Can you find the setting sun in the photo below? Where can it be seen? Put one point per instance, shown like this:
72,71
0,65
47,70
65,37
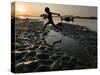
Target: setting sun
20,9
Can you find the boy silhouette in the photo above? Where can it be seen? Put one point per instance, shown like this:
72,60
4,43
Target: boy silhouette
49,16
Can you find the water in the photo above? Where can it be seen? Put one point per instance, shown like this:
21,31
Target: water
67,45
89,23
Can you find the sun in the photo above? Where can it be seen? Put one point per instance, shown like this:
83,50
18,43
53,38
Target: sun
20,9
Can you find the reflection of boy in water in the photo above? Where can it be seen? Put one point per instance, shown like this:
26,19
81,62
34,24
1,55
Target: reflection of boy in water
50,21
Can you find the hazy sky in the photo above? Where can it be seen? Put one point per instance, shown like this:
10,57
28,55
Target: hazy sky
35,9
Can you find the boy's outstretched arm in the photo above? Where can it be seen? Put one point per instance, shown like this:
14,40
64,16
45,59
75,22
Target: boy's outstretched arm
56,14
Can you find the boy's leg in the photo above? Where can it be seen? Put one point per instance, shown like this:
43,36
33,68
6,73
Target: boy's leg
45,25
53,24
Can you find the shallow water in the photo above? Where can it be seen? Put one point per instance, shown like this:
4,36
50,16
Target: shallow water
89,23
67,45
33,54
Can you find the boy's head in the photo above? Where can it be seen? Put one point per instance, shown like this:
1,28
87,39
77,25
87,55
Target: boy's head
47,10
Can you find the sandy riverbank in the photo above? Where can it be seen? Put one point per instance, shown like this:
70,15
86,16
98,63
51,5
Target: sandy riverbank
34,54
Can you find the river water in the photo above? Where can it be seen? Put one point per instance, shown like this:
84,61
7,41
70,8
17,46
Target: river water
89,23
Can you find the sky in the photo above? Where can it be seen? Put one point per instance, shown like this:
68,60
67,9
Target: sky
36,9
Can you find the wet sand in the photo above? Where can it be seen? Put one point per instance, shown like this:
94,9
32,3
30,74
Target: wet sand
68,47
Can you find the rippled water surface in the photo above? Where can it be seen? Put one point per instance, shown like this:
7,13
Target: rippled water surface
67,44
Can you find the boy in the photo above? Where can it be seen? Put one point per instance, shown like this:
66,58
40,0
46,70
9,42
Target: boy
50,21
